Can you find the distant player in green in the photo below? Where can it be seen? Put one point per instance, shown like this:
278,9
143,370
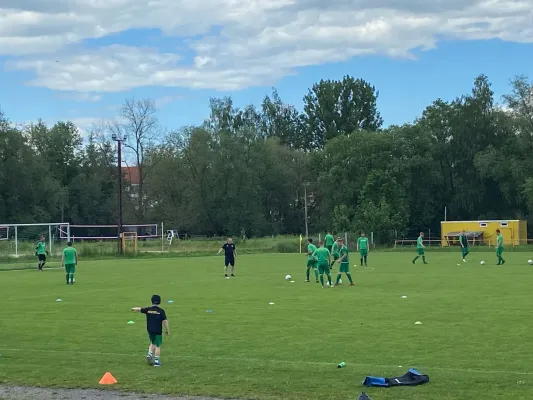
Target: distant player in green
41,252
463,241
499,247
323,257
311,262
344,262
69,260
362,248
156,318
335,252
420,248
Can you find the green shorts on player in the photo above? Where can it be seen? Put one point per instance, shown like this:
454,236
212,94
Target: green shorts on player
70,259
156,339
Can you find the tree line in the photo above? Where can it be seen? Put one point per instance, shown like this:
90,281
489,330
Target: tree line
247,170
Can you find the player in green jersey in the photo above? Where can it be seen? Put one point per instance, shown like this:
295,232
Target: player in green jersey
499,247
463,240
420,248
323,257
311,262
41,252
335,252
362,248
328,240
69,260
344,262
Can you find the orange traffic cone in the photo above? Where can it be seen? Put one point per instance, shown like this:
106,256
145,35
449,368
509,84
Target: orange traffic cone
107,379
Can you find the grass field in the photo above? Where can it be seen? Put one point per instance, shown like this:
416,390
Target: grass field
474,341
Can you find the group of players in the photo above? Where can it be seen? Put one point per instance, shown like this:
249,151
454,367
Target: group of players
69,259
330,251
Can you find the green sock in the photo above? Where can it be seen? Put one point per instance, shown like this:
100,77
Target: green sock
361,261
338,278
67,277
365,259
316,274
416,258
329,279
72,277
349,277
424,258
307,273
322,279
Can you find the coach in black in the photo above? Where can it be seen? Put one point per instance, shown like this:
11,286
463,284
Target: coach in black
230,254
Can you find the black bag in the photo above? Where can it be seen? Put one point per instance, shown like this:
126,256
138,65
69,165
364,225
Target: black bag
411,378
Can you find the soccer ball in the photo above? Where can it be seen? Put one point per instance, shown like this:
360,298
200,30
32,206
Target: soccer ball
288,277
482,262
530,262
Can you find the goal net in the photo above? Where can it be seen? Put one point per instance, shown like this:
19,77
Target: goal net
110,232
20,239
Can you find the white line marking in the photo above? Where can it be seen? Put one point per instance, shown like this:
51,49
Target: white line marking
259,361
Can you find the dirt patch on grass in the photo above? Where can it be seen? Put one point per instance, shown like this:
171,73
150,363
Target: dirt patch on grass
33,393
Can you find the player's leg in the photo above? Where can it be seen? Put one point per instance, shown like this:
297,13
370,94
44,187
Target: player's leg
40,264
328,274
226,264
365,257
321,273
151,349
346,270
361,257
67,272
158,342
72,272
310,264
232,263
44,261
417,256
423,256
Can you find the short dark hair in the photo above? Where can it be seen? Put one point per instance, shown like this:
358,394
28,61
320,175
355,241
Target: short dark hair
321,242
497,231
156,299
310,240
69,243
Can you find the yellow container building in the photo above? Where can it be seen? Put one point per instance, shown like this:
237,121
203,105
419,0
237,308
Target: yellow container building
484,232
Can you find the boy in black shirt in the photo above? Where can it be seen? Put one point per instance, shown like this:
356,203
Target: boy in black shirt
155,319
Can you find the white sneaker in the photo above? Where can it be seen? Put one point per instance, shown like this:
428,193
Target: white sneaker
464,260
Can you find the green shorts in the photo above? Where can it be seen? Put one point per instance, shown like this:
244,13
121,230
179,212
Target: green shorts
70,268
323,268
420,251
156,340
363,252
464,251
499,251
311,264
344,267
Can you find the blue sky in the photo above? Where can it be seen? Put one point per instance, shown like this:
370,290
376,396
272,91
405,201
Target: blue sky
81,64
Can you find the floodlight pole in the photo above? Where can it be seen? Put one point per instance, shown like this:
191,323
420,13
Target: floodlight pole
305,211
119,141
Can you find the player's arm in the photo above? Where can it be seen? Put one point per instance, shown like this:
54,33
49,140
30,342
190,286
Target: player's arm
358,240
165,324
139,309
63,259
234,252
220,251
76,257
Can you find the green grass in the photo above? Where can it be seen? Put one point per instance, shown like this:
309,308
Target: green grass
474,341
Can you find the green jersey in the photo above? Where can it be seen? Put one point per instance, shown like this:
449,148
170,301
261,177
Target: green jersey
311,248
499,241
70,255
362,243
335,249
329,239
322,255
344,252
464,240
420,242
41,248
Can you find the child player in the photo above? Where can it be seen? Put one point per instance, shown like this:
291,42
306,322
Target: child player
499,247
41,252
311,262
344,263
69,260
156,318
323,257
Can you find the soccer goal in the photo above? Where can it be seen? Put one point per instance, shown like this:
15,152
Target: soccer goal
20,239
129,242
110,232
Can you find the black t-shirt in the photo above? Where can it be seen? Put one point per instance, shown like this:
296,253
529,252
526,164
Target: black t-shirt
229,250
154,319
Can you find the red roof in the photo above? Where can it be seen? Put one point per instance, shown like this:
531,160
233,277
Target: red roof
131,174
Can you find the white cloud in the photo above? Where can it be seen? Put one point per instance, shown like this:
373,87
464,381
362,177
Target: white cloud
236,43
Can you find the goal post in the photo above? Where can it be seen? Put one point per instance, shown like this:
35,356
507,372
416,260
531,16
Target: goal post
129,237
19,239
